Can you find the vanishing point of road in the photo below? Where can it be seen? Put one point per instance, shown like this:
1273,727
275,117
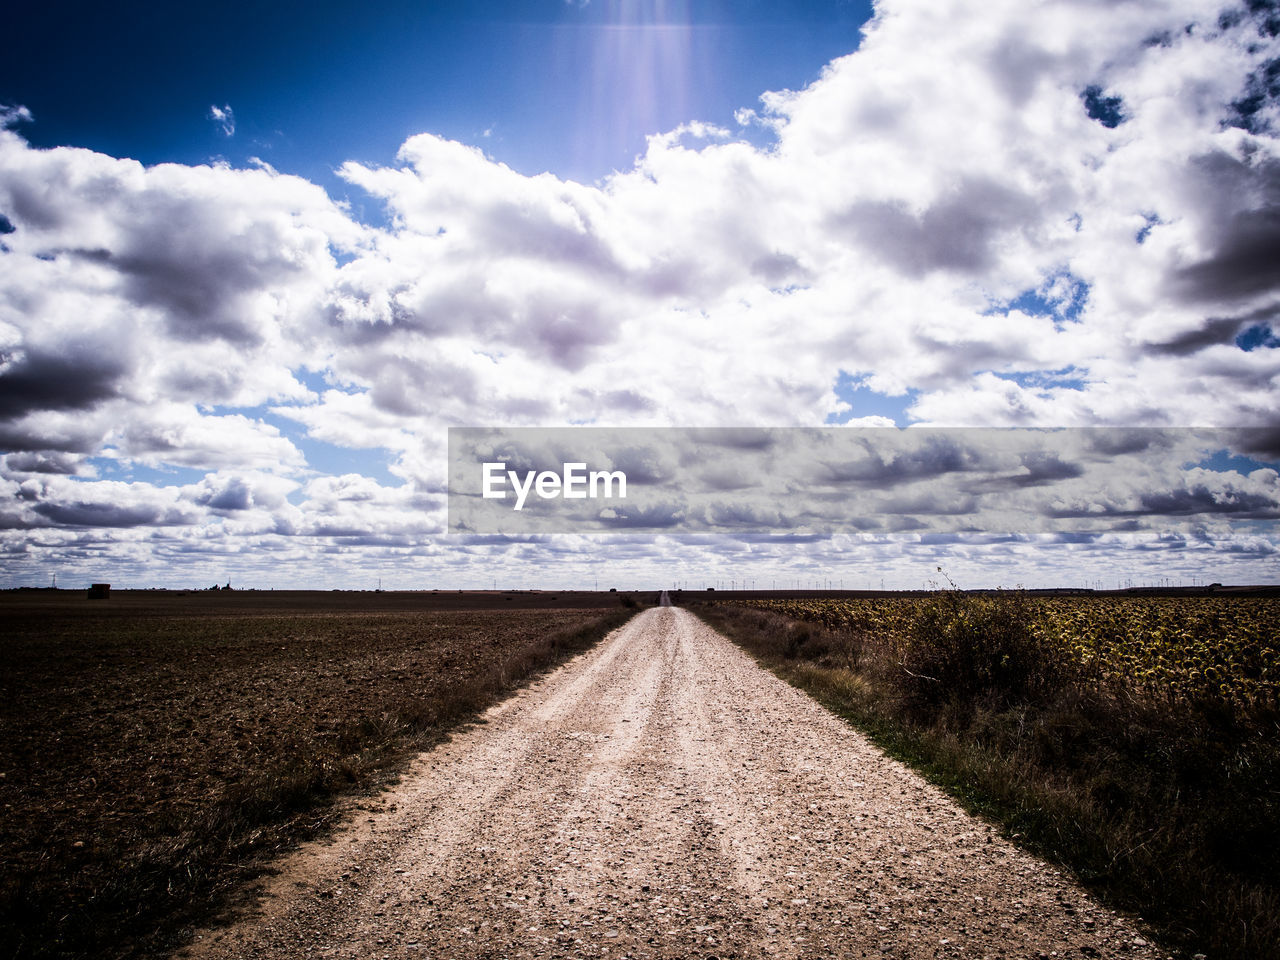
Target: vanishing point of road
663,796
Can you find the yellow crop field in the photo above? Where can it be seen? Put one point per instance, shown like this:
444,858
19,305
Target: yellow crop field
1176,648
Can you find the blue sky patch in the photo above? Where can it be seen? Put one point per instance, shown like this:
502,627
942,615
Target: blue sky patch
1259,335
868,403
1068,378
1108,111
1062,296
1225,460
133,471
326,458
321,457
594,79
1152,221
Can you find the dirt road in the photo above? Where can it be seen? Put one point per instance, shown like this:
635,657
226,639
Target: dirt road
662,796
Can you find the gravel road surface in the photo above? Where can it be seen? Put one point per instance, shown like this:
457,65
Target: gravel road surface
662,796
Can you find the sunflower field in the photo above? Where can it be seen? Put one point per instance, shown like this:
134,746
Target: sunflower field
1204,648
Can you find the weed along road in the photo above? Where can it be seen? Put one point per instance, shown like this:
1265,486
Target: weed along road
662,796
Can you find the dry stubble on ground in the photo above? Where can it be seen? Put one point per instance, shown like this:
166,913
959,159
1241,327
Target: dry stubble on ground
662,796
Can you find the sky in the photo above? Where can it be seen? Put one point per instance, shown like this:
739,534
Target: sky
255,263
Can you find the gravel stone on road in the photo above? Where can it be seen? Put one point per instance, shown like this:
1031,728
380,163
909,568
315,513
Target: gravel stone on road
663,796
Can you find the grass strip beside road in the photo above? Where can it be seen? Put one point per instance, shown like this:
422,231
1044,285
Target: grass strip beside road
154,756
1170,813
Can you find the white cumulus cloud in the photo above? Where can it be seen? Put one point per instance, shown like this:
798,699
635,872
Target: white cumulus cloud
224,118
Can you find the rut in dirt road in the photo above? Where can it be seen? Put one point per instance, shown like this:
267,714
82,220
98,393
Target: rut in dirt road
662,796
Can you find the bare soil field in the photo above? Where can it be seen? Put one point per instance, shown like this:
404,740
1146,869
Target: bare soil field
155,745
661,796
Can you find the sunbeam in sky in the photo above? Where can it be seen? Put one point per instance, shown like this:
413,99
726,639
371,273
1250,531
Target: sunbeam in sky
641,74
256,261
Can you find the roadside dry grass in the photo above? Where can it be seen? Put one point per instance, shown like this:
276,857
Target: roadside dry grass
156,749
1168,809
